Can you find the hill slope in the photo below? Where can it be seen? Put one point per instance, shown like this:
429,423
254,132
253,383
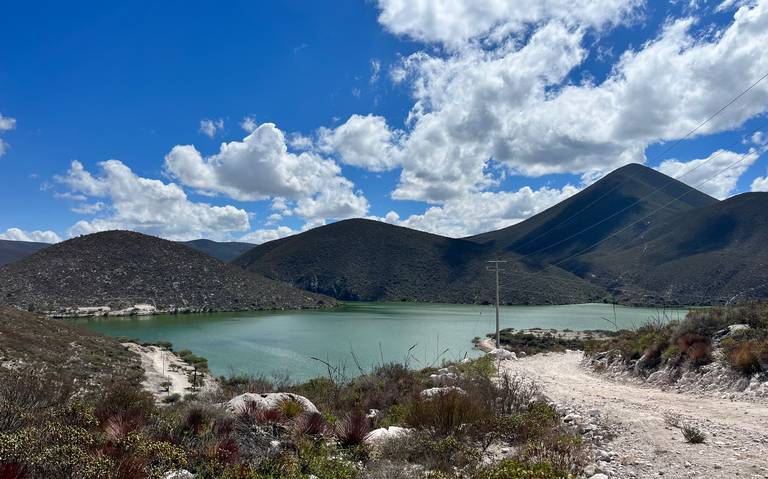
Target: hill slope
11,251
120,268
59,351
609,204
703,256
225,251
370,260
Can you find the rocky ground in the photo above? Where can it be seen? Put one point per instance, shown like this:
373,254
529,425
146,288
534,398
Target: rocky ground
637,430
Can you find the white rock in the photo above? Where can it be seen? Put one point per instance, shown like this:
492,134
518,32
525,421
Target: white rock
179,474
432,392
382,434
442,378
599,476
571,417
502,353
267,401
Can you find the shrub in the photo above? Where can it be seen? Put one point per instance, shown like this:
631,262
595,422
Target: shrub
442,454
290,408
693,435
310,423
563,451
127,400
513,469
696,347
237,384
24,395
352,429
744,357
172,398
445,413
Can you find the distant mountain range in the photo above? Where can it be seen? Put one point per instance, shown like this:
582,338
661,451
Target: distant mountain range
11,251
635,236
120,269
225,251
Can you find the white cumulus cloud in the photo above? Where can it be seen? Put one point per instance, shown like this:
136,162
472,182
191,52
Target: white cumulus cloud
362,141
148,205
17,234
484,211
716,175
454,22
261,167
513,103
264,235
760,183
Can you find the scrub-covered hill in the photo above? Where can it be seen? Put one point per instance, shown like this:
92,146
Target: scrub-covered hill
120,269
374,261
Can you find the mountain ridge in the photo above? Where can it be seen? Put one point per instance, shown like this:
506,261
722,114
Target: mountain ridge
361,259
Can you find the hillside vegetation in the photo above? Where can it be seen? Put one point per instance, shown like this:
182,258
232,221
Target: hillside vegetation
374,261
57,354
120,269
734,337
456,432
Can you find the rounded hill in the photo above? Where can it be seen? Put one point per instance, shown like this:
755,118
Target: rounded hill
120,269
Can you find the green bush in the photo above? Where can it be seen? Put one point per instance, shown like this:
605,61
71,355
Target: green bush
126,400
445,413
442,454
512,469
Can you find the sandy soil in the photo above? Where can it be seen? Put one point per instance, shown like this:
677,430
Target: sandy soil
163,366
737,432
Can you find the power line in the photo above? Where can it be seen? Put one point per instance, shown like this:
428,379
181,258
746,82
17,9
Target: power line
639,200
742,158
657,157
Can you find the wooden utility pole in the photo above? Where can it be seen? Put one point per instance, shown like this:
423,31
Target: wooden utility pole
496,268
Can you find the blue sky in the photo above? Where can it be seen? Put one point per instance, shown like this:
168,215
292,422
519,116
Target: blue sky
450,117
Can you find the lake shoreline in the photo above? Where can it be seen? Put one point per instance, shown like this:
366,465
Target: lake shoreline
283,342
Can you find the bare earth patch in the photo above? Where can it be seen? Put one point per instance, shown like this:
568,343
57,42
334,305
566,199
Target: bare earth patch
646,444
165,373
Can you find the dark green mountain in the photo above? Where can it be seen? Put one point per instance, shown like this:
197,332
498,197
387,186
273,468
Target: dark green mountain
608,206
121,268
709,255
11,251
370,260
225,251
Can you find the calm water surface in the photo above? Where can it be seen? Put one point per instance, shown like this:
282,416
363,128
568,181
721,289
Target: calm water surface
284,342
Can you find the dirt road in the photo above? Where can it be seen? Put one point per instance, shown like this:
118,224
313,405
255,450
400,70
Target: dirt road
737,432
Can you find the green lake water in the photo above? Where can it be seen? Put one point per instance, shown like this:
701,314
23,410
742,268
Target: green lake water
283,342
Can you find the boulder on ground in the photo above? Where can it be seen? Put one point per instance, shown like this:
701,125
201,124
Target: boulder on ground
444,376
379,436
434,392
179,474
267,401
730,331
502,353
